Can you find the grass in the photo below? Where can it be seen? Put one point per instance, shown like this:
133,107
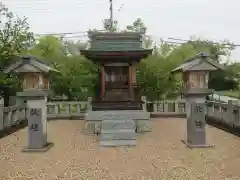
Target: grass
230,93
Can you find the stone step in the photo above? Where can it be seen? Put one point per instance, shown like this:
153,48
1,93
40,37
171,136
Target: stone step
116,125
116,105
110,131
118,136
117,115
114,143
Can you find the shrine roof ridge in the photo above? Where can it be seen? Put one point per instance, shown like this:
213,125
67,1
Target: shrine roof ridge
199,55
36,59
115,51
115,35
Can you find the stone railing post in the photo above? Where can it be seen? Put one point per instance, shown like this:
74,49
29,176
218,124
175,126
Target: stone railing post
155,106
1,113
210,108
176,106
144,105
165,106
230,116
237,120
89,104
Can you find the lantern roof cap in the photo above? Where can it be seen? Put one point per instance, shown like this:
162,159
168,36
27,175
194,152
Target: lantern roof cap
200,62
28,63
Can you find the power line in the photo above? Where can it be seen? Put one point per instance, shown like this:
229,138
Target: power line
175,40
67,33
184,40
64,33
75,36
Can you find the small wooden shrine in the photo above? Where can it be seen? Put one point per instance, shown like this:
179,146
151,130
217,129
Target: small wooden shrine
33,72
117,55
195,74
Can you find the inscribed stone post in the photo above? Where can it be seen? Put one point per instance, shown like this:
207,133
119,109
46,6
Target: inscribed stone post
37,125
196,136
1,113
37,138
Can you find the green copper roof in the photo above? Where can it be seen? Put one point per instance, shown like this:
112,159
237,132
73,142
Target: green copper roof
121,41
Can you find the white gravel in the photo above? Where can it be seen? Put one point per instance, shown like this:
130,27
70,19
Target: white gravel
159,155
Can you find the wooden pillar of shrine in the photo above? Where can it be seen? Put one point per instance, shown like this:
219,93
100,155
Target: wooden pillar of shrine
130,81
102,81
134,80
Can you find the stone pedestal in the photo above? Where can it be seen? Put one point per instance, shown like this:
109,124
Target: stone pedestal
196,111
37,121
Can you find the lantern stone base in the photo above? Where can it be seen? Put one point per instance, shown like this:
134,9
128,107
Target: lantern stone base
196,113
197,92
37,120
189,145
48,146
35,93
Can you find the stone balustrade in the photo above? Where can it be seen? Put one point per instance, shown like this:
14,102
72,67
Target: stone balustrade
12,115
225,113
66,109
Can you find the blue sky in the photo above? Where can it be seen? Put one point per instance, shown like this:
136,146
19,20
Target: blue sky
213,19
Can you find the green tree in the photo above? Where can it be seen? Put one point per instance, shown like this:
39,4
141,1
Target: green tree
72,48
110,27
15,38
139,26
77,74
155,79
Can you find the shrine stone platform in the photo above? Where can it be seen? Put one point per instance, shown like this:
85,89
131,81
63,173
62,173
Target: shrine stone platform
95,119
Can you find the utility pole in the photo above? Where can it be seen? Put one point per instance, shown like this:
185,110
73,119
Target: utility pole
111,15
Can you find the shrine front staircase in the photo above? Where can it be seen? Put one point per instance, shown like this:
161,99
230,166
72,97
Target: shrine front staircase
118,133
117,128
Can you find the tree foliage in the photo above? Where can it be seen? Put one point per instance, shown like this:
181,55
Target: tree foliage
139,26
15,38
77,73
79,77
110,26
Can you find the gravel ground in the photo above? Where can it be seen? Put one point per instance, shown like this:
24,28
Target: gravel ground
159,155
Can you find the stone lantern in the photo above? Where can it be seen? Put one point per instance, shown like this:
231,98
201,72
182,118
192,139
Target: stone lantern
35,89
195,74
33,72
